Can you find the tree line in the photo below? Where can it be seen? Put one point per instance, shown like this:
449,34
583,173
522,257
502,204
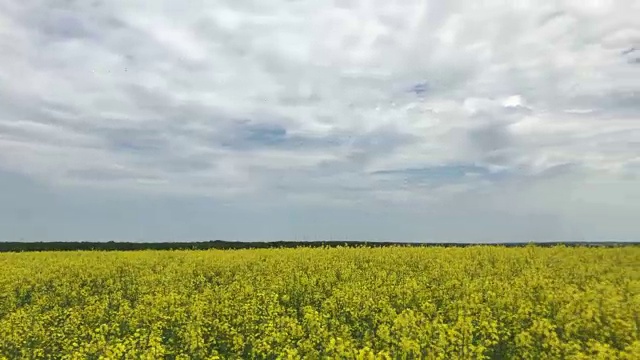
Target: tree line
231,245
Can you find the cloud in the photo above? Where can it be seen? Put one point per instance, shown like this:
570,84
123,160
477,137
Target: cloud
341,103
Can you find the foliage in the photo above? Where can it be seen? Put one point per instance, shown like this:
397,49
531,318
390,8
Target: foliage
225,245
484,302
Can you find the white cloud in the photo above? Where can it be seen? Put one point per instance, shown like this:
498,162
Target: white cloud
308,100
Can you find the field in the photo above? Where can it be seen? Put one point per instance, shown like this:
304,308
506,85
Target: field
394,302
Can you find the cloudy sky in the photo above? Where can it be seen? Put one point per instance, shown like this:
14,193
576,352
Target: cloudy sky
407,120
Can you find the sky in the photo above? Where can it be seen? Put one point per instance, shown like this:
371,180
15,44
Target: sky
394,120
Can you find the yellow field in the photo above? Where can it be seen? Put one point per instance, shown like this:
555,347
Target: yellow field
398,302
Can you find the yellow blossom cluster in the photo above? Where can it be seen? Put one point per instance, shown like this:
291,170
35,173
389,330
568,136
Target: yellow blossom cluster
481,302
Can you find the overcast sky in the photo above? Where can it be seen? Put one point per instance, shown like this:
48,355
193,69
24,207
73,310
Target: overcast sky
401,120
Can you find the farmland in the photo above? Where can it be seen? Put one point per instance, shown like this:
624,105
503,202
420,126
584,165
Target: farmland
482,302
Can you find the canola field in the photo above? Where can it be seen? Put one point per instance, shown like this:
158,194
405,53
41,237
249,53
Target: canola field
484,302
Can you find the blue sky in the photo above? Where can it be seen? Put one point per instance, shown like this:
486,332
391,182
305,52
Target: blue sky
407,120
